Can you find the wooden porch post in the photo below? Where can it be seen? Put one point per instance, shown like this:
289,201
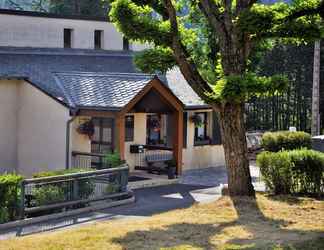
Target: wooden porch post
178,140
120,121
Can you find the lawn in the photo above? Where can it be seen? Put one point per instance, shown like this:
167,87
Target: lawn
267,223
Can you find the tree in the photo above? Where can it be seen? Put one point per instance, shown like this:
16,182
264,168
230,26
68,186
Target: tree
212,42
316,89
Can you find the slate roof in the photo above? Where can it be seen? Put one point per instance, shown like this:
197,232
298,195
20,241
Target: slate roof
101,90
88,78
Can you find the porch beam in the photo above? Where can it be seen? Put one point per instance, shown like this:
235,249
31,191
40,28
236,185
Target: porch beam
178,140
120,122
97,113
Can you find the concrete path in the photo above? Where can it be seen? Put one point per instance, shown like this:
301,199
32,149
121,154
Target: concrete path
195,186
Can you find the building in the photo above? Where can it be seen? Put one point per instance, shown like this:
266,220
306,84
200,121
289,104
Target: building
70,93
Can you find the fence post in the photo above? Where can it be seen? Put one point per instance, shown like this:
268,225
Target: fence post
22,200
124,179
75,189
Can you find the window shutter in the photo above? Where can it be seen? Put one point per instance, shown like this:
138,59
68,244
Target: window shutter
185,121
216,139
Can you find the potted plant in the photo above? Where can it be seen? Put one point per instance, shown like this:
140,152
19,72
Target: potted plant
86,128
197,120
172,168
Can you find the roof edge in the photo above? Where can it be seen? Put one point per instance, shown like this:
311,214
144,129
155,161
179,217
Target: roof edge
52,15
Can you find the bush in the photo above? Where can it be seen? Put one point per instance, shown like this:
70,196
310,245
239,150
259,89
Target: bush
112,160
295,171
285,140
61,191
49,194
9,197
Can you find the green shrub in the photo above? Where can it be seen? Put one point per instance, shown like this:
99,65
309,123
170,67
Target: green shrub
112,160
61,191
9,196
61,172
112,188
295,171
285,140
49,194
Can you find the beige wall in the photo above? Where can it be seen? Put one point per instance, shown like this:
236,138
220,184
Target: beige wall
197,157
79,142
26,31
139,138
41,131
32,129
8,125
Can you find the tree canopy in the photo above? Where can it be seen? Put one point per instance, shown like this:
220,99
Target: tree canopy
195,33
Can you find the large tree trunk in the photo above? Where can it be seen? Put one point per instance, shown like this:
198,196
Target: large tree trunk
316,88
235,148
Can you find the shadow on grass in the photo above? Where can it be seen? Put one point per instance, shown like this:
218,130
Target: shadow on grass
256,232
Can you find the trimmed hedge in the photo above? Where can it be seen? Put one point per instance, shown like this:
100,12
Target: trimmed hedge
9,197
285,140
291,172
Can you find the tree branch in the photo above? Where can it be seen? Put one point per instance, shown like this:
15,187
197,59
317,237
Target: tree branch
187,68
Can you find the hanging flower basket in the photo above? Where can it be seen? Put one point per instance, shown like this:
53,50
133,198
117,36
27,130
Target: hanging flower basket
86,128
196,119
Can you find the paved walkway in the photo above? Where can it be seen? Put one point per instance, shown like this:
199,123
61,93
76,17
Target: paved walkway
195,186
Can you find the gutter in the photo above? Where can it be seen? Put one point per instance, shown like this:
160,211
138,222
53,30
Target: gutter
73,114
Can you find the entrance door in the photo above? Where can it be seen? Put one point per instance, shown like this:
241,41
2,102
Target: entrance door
102,141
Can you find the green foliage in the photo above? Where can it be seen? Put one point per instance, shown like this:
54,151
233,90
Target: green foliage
285,140
112,160
158,60
136,22
49,194
147,21
237,87
9,196
112,188
57,192
61,172
292,172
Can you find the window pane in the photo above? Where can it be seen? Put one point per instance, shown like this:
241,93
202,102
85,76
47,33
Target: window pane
67,38
97,39
129,128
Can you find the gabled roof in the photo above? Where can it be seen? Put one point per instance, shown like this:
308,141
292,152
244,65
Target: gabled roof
101,90
78,77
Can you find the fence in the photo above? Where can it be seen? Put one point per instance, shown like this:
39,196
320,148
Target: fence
152,153
57,193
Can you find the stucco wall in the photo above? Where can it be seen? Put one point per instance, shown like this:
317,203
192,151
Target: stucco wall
197,157
79,142
139,138
8,125
41,131
27,31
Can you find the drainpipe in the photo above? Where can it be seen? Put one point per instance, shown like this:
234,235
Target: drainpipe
73,114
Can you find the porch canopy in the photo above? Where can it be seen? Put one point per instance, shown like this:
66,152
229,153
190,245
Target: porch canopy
116,94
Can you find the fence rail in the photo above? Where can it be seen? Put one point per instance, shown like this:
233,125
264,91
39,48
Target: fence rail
53,194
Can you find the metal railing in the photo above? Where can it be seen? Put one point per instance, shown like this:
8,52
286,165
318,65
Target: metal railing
58,193
153,152
88,160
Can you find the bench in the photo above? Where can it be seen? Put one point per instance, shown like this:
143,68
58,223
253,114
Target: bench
154,158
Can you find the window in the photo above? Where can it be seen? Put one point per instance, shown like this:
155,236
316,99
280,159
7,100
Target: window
153,125
129,128
98,39
201,137
68,38
125,43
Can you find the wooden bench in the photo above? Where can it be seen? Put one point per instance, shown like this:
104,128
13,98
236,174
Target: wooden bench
154,158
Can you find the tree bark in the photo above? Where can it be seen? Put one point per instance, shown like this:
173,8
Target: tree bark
316,86
231,119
